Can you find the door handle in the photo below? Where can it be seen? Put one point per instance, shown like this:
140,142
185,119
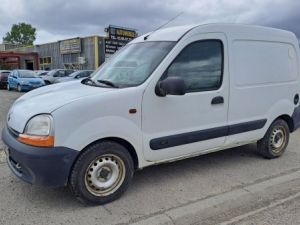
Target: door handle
217,100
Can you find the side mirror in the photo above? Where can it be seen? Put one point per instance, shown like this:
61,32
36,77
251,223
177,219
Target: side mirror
170,86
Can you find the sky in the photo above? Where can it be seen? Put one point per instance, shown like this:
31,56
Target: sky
61,19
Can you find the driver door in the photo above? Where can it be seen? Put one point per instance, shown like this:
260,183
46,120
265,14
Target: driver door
179,126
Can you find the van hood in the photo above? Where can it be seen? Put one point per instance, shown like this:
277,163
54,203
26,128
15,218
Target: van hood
64,79
46,100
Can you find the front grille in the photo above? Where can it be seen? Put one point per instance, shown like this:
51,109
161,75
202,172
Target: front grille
34,82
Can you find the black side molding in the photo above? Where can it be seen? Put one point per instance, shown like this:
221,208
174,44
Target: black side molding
246,127
203,135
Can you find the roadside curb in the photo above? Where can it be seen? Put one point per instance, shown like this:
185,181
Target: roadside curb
224,207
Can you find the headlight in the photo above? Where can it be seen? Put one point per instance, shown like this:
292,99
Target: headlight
38,131
39,125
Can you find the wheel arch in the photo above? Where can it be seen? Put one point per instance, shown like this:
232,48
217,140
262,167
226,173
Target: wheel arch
288,120
120,141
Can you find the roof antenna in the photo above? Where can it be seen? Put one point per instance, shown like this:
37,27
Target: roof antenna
179,14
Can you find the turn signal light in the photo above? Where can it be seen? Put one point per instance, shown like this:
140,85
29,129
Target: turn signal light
40,141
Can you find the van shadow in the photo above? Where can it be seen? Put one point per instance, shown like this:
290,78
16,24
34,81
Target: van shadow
218,161
61,198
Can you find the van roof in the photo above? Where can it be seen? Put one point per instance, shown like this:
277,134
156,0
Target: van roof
177,32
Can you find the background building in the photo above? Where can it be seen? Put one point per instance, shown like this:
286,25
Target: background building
75,53
16,60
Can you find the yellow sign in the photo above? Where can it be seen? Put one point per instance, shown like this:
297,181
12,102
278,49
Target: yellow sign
70,46
125,33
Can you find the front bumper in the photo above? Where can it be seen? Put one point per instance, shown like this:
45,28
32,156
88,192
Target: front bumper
38,165
30,87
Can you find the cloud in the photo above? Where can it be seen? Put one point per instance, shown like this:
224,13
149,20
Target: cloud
59,19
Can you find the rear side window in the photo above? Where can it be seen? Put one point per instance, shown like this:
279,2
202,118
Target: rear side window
200,64
83,74
60,73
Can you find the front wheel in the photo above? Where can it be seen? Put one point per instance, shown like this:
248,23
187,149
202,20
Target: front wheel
275,141
102,173
19,88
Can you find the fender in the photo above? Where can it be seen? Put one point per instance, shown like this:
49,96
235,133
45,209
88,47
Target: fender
100,128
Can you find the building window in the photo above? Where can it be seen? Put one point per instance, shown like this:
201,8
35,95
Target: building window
45,60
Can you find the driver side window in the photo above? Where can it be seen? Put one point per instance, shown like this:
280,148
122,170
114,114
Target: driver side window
200,65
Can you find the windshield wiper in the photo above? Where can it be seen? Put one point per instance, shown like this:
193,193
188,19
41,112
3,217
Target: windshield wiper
86,80
109,83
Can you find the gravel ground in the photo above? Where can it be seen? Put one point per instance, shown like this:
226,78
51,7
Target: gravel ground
6,100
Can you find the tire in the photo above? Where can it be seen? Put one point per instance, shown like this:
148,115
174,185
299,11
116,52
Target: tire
275,140
47,82
102,173
19,88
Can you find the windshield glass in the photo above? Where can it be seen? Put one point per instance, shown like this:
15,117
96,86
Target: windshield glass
133,64
43,73
51,72
27,74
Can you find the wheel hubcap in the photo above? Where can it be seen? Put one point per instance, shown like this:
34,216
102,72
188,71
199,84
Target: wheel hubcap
278,139
105,175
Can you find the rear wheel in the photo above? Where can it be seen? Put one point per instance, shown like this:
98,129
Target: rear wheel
275,141
102,173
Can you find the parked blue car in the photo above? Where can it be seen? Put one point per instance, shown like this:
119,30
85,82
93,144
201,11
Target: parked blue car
24,80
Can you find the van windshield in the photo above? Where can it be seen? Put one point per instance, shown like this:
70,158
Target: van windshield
132,65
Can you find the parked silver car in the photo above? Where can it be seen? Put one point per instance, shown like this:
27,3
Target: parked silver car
53,75
76,75
41,73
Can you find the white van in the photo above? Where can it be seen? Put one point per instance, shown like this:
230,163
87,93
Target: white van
170,94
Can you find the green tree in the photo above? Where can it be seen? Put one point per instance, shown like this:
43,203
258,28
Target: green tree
22,34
